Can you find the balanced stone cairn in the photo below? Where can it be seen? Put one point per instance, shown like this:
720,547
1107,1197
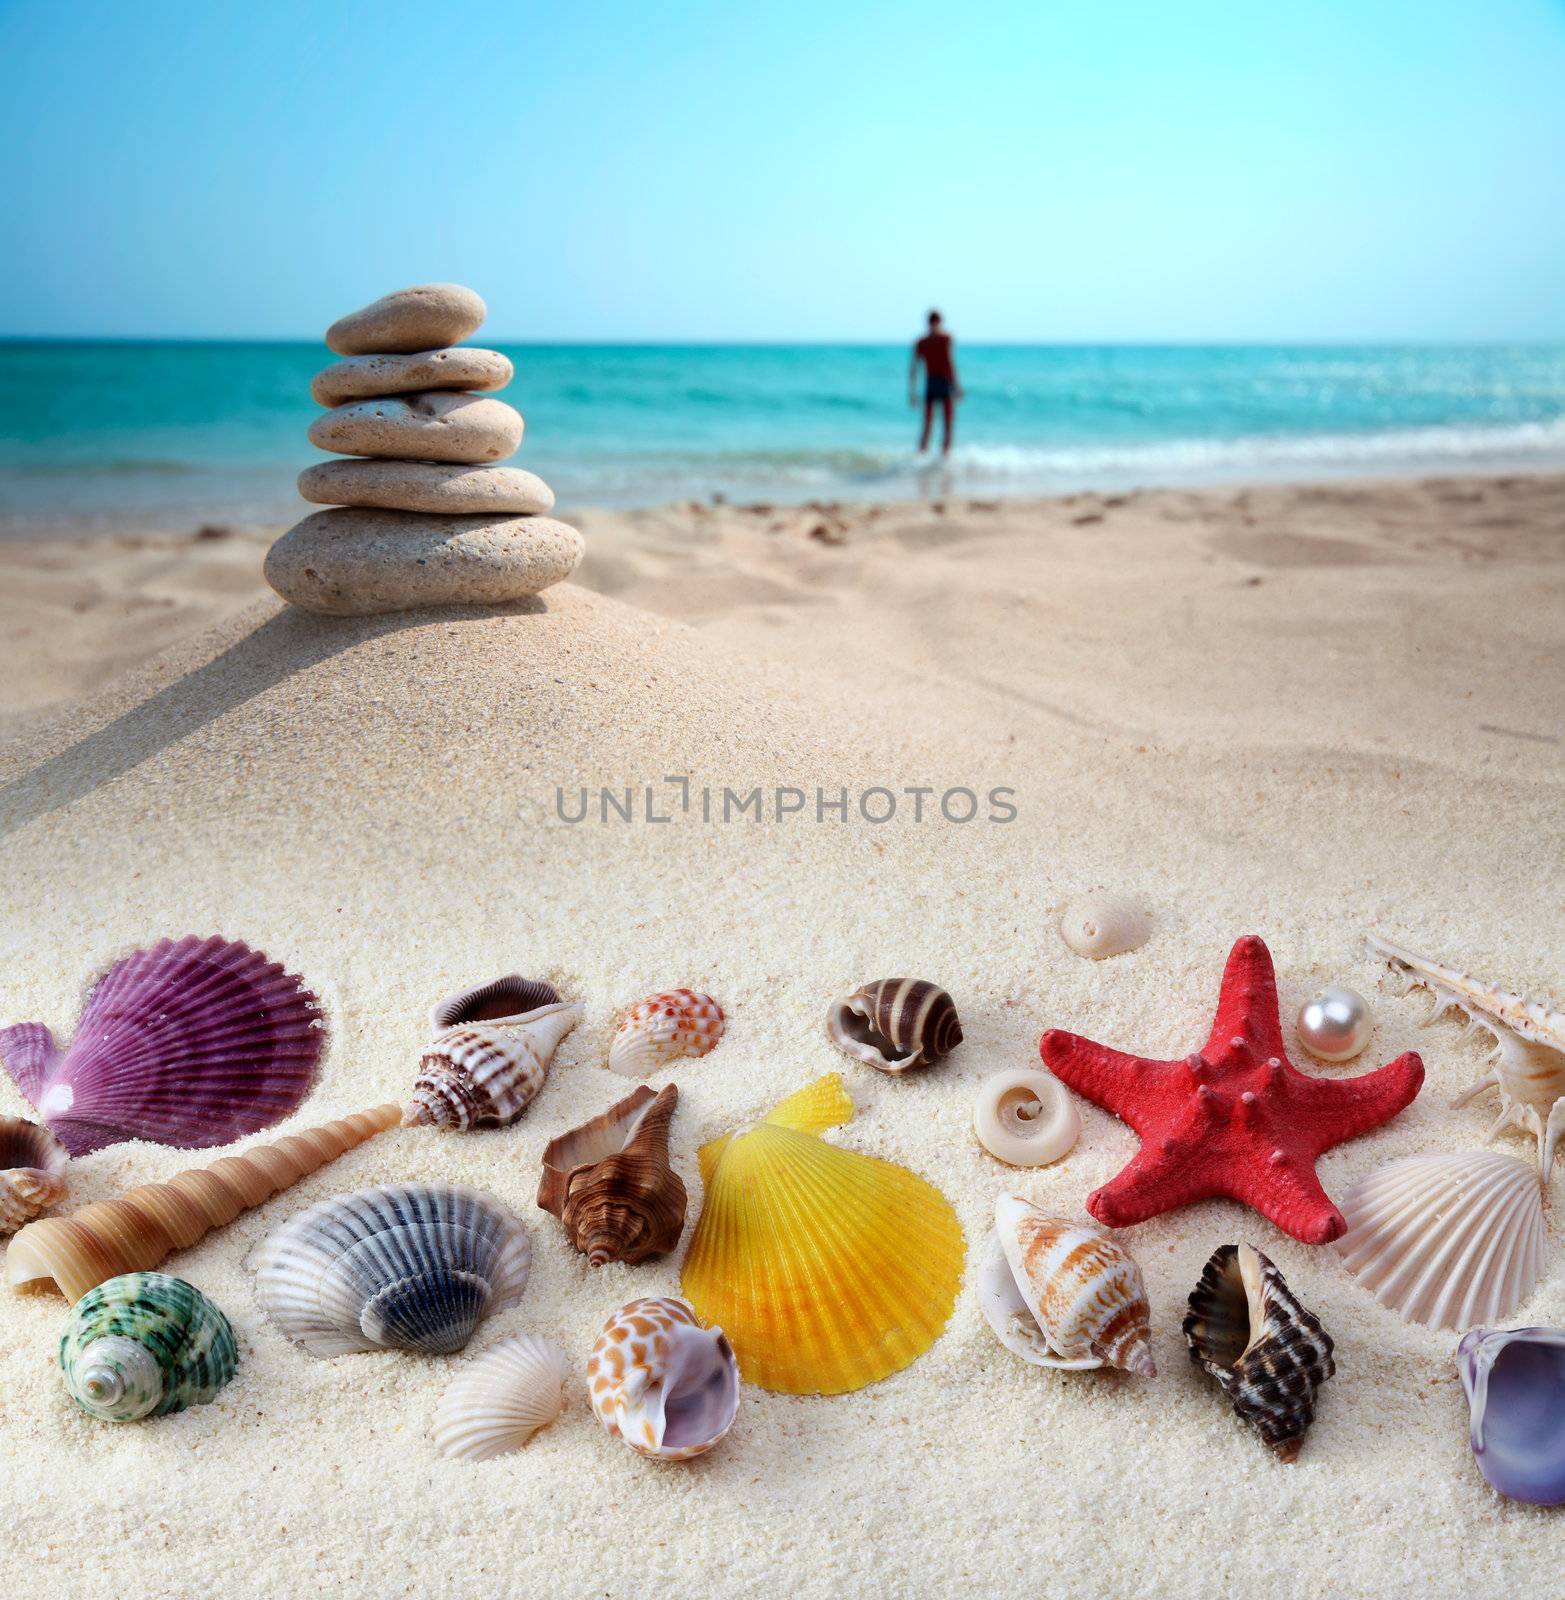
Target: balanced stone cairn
422,516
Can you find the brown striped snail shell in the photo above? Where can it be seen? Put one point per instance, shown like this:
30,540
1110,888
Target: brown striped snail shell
895,1024
1270,1355
32,1172
611,1184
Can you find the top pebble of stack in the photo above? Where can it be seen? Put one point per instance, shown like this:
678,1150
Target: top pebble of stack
428,317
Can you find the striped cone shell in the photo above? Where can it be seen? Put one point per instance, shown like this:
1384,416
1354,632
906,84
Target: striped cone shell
1270,1355
662,1382
1061,1294
895,1024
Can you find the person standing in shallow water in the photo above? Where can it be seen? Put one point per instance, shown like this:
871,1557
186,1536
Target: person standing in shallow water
940,385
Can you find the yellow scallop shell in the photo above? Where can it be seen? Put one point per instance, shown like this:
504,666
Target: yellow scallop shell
827,1270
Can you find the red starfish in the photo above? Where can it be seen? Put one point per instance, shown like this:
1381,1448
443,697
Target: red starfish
1236,1119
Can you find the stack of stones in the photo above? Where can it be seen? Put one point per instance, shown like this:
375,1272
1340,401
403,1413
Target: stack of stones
423,516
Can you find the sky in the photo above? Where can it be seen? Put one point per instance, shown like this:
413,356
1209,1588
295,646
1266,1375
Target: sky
1043,170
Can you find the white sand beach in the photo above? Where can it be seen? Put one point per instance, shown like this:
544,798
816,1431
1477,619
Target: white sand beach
1300,712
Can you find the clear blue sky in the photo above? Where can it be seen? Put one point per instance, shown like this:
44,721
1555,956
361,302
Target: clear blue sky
816,169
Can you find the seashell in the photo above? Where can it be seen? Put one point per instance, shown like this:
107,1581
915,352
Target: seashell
193,1043
663,1028
32,1172
1515,1384
1026,1118
1061,1294
828,1269
1449,1241
412,1266
147,1224
145,1344
486,1074
1269,1354
510,996
503,1399
610,1182
1100,925
663,1383
1527,1065
895,1024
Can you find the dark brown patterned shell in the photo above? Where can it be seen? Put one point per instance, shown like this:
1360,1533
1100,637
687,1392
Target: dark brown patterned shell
895,1024
1270,1355
510,996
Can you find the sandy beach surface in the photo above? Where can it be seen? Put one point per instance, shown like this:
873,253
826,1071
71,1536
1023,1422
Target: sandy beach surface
1301,712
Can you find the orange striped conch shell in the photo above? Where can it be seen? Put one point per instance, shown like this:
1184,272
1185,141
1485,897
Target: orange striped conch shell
664,1384
136,1232
1061,1294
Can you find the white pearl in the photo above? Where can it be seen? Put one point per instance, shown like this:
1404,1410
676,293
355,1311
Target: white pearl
1336,1024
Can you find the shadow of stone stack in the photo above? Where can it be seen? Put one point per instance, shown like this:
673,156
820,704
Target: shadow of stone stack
421,514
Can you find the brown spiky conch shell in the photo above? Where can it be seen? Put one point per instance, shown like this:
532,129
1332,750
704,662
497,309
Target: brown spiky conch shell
611,1184
895,1024
145,1225
32,1171
1270,1355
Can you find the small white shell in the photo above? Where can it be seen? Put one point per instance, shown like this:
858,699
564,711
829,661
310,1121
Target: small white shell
665,1027
1449,1241
1099,925
500,1401
1026,1118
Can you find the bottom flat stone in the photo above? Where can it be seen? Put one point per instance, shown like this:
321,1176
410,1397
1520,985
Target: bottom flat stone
351,562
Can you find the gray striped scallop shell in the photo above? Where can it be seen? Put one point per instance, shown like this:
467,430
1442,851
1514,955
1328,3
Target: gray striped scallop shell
895,1024
413,1266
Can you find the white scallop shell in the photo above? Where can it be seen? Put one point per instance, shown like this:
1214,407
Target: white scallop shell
663,1028
500,1401
414,1266
1099,925
1449,1241
1026,1118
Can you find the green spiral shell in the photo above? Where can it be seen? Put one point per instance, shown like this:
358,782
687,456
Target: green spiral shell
143,1345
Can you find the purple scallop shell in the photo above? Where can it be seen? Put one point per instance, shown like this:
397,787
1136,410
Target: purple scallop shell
1515,1384
193,1043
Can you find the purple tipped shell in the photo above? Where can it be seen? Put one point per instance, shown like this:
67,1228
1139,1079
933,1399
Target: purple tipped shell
510,996
191,1043
1515,1384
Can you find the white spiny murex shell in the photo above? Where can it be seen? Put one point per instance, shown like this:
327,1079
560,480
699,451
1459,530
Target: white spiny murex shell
1026,1117
1449,1241
1527,1065
1061,1294
486,1074
413,1266
663,1028
663,1383
1099,925
499,1402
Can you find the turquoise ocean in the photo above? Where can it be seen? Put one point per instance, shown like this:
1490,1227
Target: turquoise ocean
173,434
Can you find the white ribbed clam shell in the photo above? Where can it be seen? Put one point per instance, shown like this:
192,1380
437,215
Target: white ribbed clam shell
1026,1117
502,1400
1100,925
1449,1241
410,1266
665,1027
